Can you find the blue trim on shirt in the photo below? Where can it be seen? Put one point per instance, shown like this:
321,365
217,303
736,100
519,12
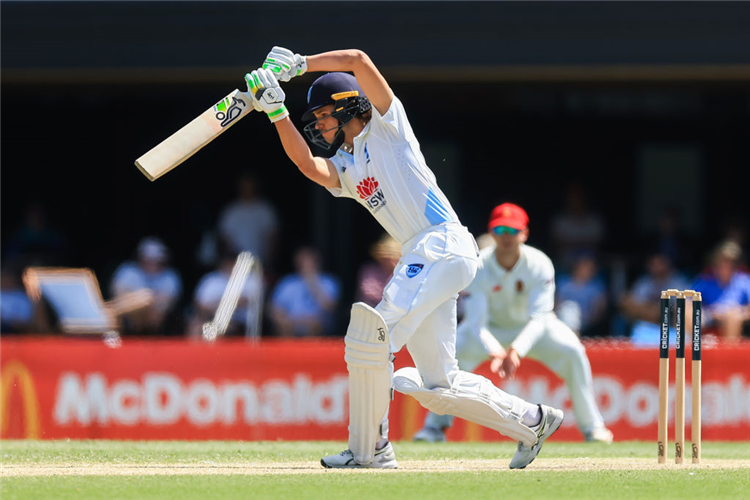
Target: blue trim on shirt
435,212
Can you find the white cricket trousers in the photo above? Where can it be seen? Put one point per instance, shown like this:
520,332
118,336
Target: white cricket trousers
559,349
419,303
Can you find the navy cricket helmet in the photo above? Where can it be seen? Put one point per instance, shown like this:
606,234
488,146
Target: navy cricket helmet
341,90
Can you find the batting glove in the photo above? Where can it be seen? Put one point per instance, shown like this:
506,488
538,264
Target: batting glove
285,64
264,86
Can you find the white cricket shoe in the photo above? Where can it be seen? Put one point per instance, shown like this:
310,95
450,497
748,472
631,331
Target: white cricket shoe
551,420
430,435
385,458
599,435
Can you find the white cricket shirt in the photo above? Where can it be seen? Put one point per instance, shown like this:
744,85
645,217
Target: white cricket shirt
387,174
522,297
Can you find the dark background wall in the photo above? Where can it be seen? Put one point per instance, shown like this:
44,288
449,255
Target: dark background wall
510,100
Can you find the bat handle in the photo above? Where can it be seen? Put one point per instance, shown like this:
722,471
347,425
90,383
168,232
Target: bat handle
210,332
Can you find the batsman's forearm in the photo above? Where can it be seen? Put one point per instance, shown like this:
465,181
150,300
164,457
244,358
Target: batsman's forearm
296,148
337,60
318,170
294,144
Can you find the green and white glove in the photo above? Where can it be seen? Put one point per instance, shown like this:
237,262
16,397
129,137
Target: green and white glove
285,64
268,95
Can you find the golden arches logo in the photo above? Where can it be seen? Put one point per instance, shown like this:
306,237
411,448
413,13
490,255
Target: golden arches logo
13,371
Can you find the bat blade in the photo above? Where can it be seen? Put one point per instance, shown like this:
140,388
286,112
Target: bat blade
187,141
229,299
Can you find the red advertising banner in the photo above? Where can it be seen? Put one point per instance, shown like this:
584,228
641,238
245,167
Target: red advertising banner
298,390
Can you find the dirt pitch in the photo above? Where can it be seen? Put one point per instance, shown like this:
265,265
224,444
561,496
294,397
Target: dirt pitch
405,466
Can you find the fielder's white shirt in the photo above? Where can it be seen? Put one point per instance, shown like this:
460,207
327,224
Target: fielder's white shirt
522,297
387,174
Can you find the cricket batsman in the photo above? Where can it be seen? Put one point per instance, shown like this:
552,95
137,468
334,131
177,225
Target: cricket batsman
508,316
376,160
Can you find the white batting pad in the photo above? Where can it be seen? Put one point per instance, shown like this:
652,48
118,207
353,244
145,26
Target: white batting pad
370,371
471,397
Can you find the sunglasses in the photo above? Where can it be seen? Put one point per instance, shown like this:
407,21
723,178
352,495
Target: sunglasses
500,230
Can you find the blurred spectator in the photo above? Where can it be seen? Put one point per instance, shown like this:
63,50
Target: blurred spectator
16,308
725,290
373,276
304,303
641,306
36,241
250,223
581,297
211,288
151,270
576,229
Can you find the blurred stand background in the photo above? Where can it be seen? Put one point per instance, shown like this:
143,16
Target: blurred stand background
643,106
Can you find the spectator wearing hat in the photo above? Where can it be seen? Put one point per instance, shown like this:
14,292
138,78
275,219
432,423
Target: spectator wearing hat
150,270
725,290
374,275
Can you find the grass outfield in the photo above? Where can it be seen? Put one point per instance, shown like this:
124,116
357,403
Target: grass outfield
291,470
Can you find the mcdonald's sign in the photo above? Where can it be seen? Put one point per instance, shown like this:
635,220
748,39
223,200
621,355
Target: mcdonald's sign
17,382
57,388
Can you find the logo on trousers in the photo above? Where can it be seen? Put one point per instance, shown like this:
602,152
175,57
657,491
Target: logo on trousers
413,269
14,373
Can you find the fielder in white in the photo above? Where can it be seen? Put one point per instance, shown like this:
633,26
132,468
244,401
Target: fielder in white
508,316
376,160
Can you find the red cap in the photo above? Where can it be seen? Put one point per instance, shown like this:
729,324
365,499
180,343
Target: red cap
509,215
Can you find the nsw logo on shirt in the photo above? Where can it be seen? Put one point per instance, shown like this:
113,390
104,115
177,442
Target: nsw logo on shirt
413,269
370,191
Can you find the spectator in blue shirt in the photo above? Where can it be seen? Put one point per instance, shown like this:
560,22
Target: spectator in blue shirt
641,306
725,290
151,270
16,308
303,304
581,297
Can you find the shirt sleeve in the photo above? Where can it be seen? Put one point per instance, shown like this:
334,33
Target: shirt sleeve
529,336
541,303
542,293
393,126
476,315
174,285
126,279
331,288
475,312
279,295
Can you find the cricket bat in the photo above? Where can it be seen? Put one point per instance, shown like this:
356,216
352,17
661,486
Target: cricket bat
229,299
187,141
